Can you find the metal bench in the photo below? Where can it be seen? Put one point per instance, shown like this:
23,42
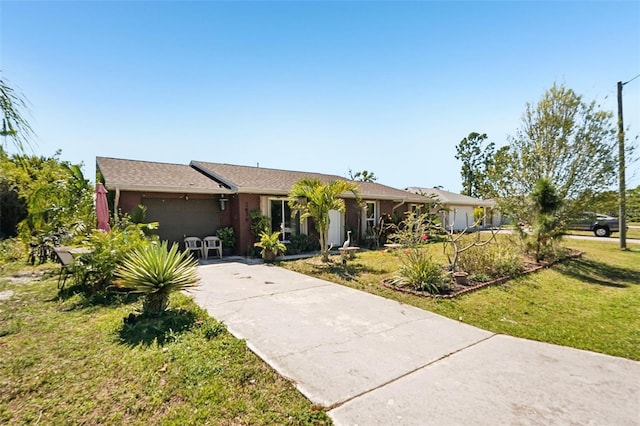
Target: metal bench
67,261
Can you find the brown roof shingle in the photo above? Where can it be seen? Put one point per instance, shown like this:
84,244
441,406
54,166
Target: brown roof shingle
250,179
216,178
134,175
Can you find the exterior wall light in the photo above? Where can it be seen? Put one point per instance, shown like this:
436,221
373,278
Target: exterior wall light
223,202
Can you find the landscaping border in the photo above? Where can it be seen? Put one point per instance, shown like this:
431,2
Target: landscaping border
534,267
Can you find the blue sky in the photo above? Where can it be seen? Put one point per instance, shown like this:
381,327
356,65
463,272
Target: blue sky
390,87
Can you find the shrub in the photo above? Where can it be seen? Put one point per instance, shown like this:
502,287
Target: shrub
157,272
420,272
259,224
227,237
497,259
106,250
417,228
11,250
301,243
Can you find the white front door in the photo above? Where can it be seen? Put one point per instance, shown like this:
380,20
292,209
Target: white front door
335,228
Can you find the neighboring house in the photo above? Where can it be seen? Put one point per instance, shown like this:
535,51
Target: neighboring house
456,210
199,198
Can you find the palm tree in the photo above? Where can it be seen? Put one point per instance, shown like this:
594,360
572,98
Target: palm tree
313,198
13,123
156,273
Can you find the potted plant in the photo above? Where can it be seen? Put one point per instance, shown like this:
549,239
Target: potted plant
228,238
271,245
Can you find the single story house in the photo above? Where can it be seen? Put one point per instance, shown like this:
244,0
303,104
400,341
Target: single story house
456,210
199,198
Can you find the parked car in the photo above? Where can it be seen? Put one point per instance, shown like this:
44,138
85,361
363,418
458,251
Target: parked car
601,225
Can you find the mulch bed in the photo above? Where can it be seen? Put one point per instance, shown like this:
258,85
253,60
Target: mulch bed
460,289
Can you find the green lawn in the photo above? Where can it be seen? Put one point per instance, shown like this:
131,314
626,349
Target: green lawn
590,303
74,361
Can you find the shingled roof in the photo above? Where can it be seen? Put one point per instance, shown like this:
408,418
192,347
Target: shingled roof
451,198
217,178
260,180
133,175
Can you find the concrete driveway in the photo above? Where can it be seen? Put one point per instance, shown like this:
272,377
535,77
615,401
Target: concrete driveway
373,361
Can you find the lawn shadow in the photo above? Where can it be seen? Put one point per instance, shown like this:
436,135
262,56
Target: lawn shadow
145,329
88,299
347,271
599,273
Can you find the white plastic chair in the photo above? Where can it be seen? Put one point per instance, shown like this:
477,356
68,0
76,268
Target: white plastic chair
212,243
193,244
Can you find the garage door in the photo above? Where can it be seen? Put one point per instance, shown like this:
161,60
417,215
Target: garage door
178,217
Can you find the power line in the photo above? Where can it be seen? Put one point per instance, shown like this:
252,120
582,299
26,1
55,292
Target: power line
631,79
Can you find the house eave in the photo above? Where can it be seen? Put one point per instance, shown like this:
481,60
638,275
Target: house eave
169,189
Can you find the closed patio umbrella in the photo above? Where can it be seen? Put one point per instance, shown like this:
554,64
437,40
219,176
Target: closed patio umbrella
102,209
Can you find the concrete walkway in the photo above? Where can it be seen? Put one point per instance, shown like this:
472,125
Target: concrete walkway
372,361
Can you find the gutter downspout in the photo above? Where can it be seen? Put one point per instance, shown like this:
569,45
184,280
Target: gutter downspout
401,203
117,200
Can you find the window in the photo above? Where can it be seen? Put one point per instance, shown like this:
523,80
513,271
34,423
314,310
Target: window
280,214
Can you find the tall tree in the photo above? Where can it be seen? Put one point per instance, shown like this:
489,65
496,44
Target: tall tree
565,140
476,161
14,125
314,199
363,176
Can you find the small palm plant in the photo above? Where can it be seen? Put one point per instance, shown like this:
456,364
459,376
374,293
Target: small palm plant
271,245
157,272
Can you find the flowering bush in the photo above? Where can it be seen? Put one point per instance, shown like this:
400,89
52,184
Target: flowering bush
416,229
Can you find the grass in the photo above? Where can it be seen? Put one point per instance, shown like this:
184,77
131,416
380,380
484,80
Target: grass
71,359
590,303
67,358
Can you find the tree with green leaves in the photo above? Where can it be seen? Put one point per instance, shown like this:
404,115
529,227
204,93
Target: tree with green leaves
476,160
363,176
633,204
563,139
14,125
55,193
18,130
315,199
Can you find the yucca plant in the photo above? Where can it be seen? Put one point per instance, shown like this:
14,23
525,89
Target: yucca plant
419,271
157,272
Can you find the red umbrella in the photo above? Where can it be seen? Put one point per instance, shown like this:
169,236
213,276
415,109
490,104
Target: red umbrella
102,209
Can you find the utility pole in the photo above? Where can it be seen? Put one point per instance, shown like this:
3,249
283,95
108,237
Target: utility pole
621,171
